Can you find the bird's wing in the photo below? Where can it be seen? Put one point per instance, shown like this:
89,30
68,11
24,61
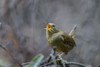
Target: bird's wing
67,39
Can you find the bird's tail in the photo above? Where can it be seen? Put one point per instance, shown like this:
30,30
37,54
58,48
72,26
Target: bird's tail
71,34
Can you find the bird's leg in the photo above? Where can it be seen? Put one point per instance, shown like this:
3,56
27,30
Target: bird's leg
54,50
58,56
61,54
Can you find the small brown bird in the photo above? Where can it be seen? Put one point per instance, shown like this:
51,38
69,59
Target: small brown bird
55,37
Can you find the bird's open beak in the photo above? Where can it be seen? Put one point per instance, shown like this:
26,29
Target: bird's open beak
48,26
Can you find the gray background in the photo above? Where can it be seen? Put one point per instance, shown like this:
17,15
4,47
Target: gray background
23,22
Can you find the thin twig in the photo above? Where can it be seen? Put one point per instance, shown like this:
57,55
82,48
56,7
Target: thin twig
47,60
60,62
9,53
23,64
75,63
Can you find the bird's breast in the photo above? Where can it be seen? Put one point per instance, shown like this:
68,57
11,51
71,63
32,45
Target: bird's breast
56,41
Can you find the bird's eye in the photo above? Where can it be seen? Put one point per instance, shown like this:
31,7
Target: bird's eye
53,25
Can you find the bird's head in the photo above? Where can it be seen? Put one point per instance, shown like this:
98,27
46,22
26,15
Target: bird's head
52,28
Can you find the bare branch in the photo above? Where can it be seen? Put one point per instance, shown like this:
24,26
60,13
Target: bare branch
57,60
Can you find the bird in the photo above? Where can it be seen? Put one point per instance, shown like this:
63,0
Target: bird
63,42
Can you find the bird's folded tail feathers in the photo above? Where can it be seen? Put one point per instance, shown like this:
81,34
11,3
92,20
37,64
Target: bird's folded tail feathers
71,34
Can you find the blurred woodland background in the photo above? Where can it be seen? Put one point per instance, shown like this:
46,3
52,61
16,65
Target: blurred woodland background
23,22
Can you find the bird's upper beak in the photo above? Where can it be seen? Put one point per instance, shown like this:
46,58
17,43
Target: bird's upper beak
49,27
